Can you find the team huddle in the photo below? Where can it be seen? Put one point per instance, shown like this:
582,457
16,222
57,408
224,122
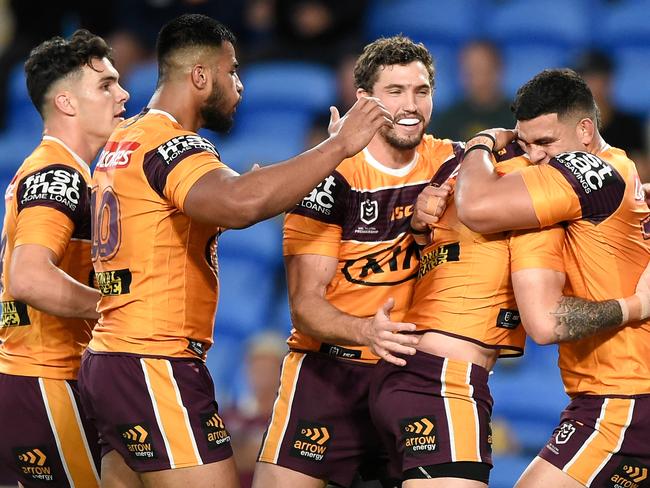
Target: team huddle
413,263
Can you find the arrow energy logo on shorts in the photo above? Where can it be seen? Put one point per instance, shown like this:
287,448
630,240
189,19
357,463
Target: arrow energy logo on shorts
311,441
630,474
137,440
419,434
214,430
33,463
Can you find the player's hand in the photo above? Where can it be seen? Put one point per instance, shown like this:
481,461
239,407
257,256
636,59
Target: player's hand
503,137
643,286
386,337
429,206
359,125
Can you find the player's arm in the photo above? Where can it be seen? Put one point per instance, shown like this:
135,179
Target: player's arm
308,276
222,197
485,201
37,281
550,317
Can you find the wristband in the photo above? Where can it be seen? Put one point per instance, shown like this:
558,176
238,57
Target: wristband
485,147
625,310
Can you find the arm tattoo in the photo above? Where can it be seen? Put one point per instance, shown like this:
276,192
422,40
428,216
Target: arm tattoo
576,318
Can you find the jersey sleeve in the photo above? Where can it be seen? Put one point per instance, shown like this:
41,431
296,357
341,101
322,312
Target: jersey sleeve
537,249
44,226
574,186
174,166
314,226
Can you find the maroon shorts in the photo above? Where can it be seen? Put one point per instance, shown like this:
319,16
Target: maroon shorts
44,435
603,441
434,412
320,424
158,413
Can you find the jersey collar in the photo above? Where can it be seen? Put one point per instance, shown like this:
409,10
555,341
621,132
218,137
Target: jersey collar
76,157
403,171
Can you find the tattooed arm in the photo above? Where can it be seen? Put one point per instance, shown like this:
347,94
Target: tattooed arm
549,317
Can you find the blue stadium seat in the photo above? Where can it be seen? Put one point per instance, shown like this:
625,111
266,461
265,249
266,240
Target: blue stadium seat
241,150
540,22
260,242
625,24
22,116
528,393
140,84
245,294
224,362
631,79
523,62
507,469
280,85
450,22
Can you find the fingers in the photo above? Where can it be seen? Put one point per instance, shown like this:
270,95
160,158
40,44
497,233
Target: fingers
388,306
389,358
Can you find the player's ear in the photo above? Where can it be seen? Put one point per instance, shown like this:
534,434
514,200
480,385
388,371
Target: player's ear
64,102
586,130
199,76
362,93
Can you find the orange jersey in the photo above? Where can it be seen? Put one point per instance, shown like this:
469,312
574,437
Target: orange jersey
360,215
47,203
599,197
155,267
464,288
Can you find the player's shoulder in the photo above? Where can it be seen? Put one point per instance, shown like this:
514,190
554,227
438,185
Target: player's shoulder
434,147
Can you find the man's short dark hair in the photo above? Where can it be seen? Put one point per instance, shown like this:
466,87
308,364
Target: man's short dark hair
388,52
56,58
189,30
560,91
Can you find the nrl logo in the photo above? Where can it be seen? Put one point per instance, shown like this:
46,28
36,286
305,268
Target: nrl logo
565,433
369,211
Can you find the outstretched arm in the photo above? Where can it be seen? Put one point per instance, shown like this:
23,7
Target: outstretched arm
223,198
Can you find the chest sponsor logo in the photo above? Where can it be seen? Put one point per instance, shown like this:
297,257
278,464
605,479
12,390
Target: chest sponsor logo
175,147
440,255
14,314
321,198
630,473
369,211
137,440
112,283
61,185
591,172
34,463
214,430
419,434
116,155
311,441
508,319
386,267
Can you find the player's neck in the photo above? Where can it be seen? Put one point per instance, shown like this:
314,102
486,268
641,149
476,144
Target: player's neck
390,156
75,139
597,145
172,99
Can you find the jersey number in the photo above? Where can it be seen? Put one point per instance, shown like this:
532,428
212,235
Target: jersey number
106,229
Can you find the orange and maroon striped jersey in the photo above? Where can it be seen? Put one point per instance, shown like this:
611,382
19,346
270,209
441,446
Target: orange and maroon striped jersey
464,288
600,200
155,267
47,203
360,215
